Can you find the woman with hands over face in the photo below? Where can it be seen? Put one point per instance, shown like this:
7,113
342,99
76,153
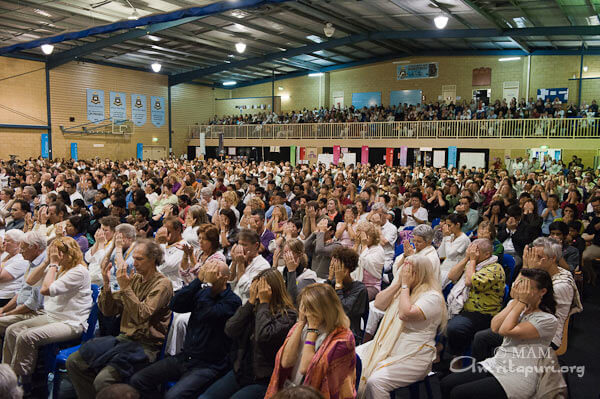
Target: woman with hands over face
528,325
319,349
296,272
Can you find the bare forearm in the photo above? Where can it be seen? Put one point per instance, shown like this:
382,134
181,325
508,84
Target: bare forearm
385,297
290,352
511,321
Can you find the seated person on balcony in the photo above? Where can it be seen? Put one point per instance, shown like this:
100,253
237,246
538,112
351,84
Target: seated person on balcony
142,303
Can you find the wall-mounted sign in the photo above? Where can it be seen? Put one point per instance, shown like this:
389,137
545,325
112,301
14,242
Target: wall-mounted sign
417,71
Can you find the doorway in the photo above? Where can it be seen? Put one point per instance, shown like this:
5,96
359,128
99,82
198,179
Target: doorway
482,94
154,152
338,102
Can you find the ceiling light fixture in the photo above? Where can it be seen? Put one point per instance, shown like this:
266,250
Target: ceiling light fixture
156,67
280,88
135,15
585,68
42,13
440,21
240,47
315,74
229,83
509,59
329,29
47,49
153,38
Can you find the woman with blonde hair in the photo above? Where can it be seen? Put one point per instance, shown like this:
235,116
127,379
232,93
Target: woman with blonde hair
278,219
372,257
68,298
253,204
195,217
229,200
319,349
403,349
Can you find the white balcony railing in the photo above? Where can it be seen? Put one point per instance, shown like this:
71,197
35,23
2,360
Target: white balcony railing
470,129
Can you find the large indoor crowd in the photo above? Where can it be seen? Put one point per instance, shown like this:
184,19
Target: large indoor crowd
223,279
433,111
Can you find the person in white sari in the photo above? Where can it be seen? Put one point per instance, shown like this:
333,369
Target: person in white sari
403,349
422,238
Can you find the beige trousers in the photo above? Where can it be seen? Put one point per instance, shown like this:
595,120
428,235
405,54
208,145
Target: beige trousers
23,338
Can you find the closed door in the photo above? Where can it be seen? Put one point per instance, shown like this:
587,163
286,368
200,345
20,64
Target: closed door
147,154
338,102
158,153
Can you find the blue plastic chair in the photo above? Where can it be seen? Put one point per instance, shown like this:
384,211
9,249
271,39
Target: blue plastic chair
506,294
447,289
435,222
509,264
358,371
57,362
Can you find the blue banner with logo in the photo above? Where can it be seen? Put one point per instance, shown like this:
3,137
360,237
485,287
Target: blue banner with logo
138,109
452,150
140,151
417,71
74,155
551,94
157,111
118,106
95,105
45,146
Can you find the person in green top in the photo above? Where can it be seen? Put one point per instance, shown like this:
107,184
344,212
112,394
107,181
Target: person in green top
481,295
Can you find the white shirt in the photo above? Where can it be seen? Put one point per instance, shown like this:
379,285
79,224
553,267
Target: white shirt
430,253
454,251
170,267
16,267
70,298
390,233
94,263
421,214
563,294
241,286
212,207
75,196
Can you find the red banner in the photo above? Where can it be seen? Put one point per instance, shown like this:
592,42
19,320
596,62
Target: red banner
302,153
336,154
364,155
389,156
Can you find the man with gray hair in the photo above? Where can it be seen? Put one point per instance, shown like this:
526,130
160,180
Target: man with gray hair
389,234
208,202
9,387
476,296
13,266
544,253
28,302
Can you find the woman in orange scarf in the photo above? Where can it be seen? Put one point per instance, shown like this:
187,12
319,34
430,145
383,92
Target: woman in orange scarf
319,349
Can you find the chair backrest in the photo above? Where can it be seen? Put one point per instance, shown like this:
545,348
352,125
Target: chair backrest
506,294
435,222
447,290
93,317
509,268
358,370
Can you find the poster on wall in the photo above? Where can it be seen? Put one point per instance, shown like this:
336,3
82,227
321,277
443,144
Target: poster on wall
138,109
551,94
439,159
410,97
45,146
452,150
118,106
95,105
311,155
74,153
157,111
417,71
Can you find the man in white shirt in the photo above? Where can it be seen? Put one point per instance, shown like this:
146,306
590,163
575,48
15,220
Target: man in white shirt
246,263
170,239
415,214
71,189
389,234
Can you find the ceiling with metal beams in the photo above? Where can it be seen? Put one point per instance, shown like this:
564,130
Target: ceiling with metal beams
195,40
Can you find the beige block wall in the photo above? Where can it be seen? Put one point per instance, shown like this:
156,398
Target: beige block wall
22,102
227,106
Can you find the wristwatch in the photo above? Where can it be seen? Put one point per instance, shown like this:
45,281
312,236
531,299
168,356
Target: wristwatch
405,286
53,265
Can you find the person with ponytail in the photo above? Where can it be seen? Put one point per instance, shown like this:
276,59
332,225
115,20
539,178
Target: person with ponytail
403,349
528,325
296,273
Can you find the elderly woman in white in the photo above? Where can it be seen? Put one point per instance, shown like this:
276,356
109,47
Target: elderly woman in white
12,265
403,350
371,260
422,238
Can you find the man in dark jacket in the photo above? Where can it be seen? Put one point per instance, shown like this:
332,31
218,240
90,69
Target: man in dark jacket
205,350
515,234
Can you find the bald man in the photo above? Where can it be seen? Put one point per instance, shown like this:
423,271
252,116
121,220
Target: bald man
211,302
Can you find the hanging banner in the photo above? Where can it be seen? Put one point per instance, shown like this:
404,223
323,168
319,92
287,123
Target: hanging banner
157,111
293,155
45,146
303,153
403,155
138,109
336,154
389,156
452,157
203,143
417,71
118,106
95,105
74,154
311,155
221,151
140,151
364,155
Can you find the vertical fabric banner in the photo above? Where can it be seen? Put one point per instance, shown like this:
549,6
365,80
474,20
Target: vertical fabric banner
221,151
403,155
311,155
303,153
452,150
118,106
389,156
364,155
140,151
157,110
74,154
293,155
336,154
45,146
203,143
138,109
95,105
